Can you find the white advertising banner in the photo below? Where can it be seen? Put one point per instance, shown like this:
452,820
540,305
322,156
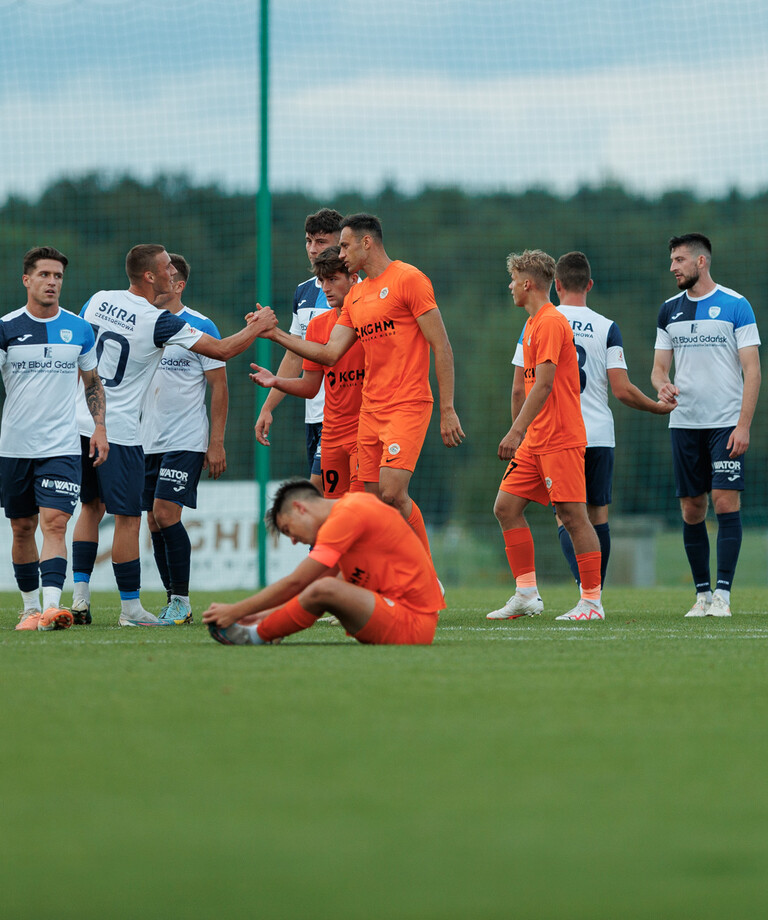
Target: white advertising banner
222,530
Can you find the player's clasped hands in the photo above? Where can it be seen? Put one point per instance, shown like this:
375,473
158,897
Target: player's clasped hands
263,318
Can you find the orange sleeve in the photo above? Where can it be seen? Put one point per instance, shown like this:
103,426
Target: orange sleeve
325,555
550,339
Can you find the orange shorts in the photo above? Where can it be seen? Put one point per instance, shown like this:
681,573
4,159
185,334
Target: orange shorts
391,438
392,623
338,465
545,478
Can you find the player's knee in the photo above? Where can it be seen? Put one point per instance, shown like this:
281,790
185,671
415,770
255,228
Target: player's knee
24,527
322,591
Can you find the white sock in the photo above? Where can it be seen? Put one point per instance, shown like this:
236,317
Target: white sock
705,596
31,599
82,592
726,595
527,592
131,606
51,596
184,598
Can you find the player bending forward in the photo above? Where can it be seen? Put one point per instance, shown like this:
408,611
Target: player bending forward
389,593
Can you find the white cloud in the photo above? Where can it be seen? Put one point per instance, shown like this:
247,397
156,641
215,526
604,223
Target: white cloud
704,127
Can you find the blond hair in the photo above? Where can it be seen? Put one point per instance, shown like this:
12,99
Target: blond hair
538,265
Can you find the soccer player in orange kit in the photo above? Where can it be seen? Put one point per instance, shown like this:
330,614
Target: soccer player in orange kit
394,315
388,593
343,382
545,447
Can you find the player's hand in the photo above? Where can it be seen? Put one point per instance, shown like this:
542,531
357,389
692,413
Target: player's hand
221,614
99,447
262,320
669,393
450,428
509,444
262,426
215,460
738,442
665,406
262,376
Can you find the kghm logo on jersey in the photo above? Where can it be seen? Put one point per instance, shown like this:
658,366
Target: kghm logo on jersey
714,312
383,293
66,335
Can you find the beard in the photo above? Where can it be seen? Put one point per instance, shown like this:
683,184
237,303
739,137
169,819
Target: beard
685,284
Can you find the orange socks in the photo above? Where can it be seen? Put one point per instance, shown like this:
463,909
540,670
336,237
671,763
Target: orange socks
518,544
589,574
417,523
286,620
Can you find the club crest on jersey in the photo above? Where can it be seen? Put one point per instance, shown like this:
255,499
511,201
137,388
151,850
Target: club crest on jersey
383,293
66,335
548,482
714,312
394,449
529,341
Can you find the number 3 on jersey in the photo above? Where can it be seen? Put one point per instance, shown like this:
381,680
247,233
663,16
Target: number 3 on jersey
582,353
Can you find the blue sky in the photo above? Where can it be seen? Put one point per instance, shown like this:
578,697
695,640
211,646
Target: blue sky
487,94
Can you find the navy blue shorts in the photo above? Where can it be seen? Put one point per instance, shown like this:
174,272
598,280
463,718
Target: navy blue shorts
598,471
313,430
117,482
172,477
26,485
701,461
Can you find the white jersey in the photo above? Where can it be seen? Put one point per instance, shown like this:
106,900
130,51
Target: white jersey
130,335
40,359
600,348
308,301
705,335
173,415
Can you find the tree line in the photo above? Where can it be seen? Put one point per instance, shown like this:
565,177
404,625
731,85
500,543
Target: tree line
461,241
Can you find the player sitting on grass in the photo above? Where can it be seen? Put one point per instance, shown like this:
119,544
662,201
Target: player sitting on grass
388,593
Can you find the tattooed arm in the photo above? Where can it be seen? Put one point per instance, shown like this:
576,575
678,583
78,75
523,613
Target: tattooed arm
97,406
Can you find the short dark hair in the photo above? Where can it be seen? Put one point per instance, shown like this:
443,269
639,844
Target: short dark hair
286,491
326,220
363,225
180,264
573,271
696,242
141,259
35,255
328,263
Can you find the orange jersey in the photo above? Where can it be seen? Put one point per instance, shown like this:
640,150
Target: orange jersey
343,382
376,549
548,337
383,312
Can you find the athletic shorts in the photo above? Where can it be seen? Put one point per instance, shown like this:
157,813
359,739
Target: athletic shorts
313,431
393,623
26,485
598,470
391,438
173,477
555,477
118,482
701,461
339,469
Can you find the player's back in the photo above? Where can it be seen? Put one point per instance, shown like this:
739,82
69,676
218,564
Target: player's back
130,335
380,551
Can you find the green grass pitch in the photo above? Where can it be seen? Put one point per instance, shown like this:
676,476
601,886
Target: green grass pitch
525,769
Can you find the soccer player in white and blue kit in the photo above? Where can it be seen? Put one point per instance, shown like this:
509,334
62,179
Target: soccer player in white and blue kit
178,447
600,350
711,333
42,349
321,230
130,336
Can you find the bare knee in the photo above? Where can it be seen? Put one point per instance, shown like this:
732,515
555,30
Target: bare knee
694,508
24,528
